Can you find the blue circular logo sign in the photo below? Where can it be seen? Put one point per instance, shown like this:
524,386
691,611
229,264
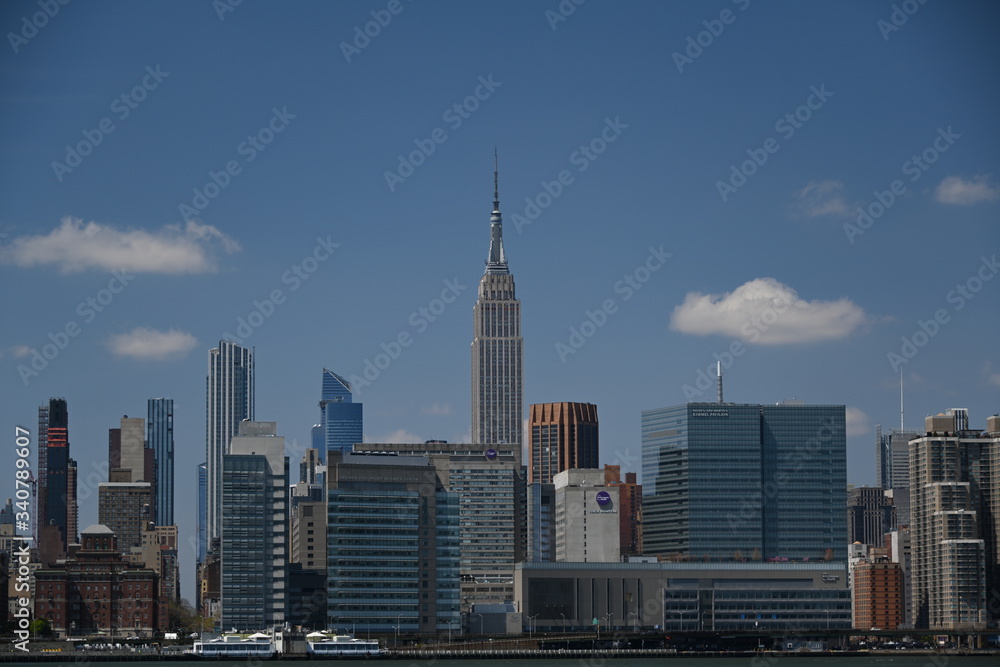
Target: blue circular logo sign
491,454
603,498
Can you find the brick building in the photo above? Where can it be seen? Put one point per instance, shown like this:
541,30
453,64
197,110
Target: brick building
878,594
97,590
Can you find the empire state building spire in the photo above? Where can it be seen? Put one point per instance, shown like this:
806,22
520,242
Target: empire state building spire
497,262
497,347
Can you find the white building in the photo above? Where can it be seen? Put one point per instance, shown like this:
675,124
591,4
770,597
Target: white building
587,521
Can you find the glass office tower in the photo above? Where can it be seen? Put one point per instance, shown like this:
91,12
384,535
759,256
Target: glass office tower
726,481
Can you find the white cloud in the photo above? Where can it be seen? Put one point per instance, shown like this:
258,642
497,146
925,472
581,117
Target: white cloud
820,198
152,345
857,422
955,190
994,379
76,246
437,409
399,437
16,351
767,312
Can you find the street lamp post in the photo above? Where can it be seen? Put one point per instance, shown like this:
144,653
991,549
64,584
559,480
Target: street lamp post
531,620
481,630
563,620
635,623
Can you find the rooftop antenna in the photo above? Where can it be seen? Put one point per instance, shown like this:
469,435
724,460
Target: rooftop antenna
718,373
901,427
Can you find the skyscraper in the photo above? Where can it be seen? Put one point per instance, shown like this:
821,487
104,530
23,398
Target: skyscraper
59,495
392,546
563,436
892,458
952,530
497,346
729,481
160,438
229,401
254,528
341,420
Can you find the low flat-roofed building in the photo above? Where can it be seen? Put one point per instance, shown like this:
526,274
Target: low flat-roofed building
684,597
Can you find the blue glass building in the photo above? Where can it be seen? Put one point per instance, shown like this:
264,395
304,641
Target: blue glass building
160,438
341,419
393,546
727,481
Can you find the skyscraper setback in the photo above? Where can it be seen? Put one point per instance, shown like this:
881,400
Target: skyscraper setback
342,420
497,346
229,401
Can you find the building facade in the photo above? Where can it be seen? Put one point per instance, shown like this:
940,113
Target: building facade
629,508
229,401
254,539
870,515
160,439
952,523
684,597
126,509
497,347
97,590
892,460
878,595
540,540
393,546
724,481
57,494
488,482
341,419
586,518
563,436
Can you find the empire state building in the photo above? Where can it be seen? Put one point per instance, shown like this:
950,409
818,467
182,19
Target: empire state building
497,347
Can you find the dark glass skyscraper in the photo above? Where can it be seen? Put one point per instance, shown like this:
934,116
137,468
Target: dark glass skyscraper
160,438
57,486
342,420
729,481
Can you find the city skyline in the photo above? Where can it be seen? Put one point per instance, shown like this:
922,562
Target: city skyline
616,225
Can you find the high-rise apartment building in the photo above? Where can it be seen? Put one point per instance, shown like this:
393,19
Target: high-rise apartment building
562,436
953,522
731,481
229,401
392,546
254,528
497,347
160,439
341,419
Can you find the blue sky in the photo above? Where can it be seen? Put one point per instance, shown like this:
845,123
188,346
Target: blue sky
745,158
